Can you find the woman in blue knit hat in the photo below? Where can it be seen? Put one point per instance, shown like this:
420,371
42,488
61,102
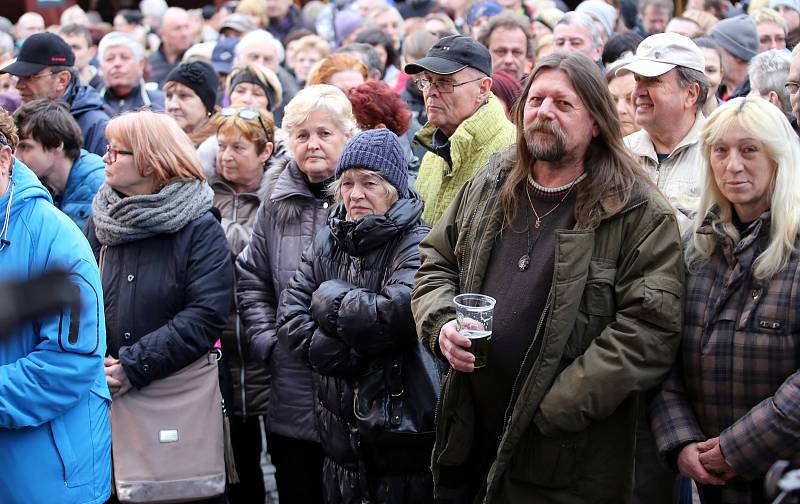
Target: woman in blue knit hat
347,314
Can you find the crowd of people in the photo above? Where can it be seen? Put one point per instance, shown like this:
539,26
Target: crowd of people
294,192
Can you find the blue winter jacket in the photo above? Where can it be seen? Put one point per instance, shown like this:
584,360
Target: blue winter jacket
85,178
88,109
55,437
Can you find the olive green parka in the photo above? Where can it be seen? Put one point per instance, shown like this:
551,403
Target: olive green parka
610,330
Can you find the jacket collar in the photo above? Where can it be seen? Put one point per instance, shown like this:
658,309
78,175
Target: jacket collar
641,144
711,226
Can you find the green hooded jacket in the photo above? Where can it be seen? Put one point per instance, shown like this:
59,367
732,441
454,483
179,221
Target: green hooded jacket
611,330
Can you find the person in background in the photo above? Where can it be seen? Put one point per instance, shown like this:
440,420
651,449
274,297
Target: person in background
165,263
318,122
348,309
375,106
466,122
191,95
654,16
439,24
510,42
261,47
619,45
768,73
684,26
255,10
50,145
738,42
308,51
53,393
80,40
603,14
388,19
368,55
122,63
284,16
729,408
622,88
713,70
45,69
176,36
790,10
507,89
131,22
771,28
793,85
341,70
248,86
415,46
28,24
479,13
577,32
390,57
246,137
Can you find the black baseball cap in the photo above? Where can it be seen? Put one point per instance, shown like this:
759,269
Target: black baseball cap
452,54
39,51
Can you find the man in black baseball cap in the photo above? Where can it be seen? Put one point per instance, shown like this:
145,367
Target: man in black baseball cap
45,70
466,123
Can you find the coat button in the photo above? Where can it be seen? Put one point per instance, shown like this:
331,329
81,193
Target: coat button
127,336
325,205
756,293
130,278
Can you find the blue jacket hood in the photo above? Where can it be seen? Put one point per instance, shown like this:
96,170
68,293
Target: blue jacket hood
86,99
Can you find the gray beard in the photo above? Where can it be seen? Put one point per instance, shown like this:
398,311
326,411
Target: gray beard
545,141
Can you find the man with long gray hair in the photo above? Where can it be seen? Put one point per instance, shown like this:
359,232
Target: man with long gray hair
582,255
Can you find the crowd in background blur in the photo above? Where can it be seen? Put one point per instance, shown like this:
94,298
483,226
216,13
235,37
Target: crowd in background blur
210,157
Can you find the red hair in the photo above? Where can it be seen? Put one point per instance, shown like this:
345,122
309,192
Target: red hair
375,102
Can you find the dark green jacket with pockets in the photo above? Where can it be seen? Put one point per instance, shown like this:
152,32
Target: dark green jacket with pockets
610,332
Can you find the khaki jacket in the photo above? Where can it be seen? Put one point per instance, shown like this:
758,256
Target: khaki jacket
681,175
611,331
471,145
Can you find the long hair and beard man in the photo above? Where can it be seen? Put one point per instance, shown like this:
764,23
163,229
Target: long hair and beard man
614,178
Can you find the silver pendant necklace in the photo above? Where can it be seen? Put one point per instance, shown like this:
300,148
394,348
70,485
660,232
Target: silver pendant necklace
525,260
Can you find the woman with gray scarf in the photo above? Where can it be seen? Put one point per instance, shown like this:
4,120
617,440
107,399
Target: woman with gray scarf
165,263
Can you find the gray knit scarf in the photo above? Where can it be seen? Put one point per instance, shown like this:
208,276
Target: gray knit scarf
119,219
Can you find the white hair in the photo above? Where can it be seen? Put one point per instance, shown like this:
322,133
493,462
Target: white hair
769,71
768,125
116,39
581,19
259,37
319,97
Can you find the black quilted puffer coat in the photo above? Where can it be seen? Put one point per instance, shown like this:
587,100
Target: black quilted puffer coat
349,303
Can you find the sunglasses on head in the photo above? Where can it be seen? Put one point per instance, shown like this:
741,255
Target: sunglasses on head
247,114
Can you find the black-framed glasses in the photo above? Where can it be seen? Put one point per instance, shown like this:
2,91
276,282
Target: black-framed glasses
443,86
112,154
791,87
247,114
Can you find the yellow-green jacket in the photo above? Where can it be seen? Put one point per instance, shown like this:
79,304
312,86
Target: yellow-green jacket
472,144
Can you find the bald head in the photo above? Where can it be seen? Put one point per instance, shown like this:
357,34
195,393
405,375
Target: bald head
28,24
261,48
175,32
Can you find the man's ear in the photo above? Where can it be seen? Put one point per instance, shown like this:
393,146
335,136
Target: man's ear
486,86
774,99
62,81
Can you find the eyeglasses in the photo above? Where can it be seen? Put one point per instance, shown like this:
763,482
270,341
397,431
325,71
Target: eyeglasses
29,78
791,87
442,86
247,114
112,154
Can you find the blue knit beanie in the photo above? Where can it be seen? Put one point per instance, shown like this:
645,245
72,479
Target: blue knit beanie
377,150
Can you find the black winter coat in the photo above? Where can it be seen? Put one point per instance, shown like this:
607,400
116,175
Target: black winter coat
350,302
166,297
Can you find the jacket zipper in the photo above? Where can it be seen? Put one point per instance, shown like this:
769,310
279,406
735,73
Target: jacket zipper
237,321
512,400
